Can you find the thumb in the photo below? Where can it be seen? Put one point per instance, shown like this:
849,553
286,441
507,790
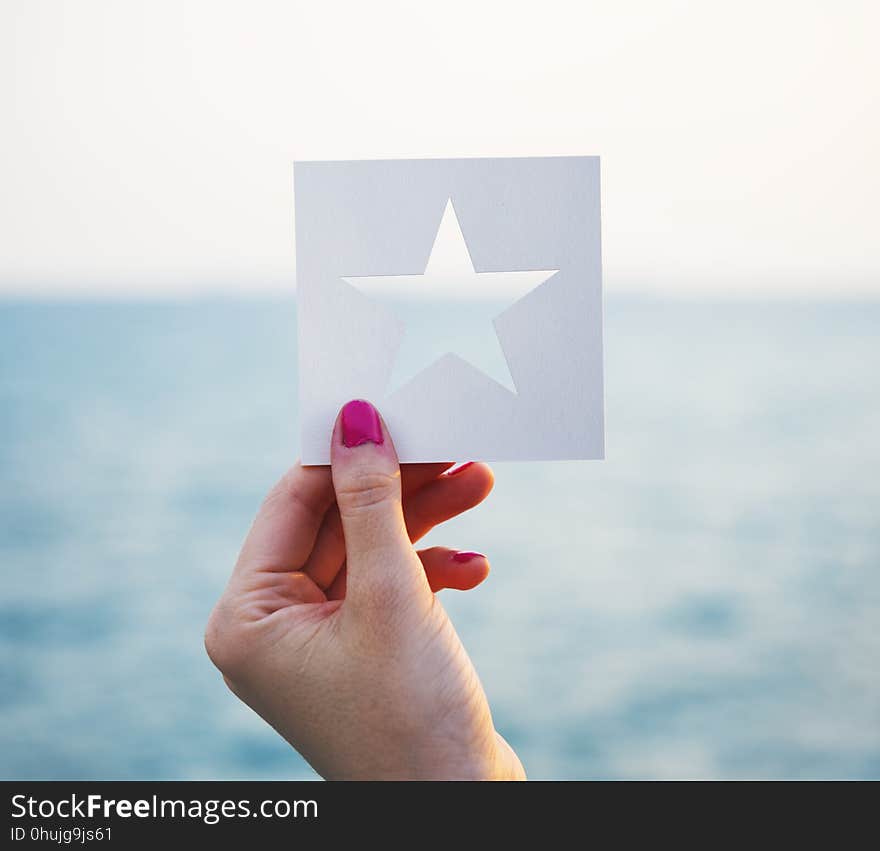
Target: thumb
380,559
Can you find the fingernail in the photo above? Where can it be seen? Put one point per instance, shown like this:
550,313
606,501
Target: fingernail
456,470
466,555
360,424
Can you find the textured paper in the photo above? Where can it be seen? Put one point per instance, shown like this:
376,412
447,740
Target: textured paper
462,297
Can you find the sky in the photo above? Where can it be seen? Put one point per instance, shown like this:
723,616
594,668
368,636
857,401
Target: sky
147,148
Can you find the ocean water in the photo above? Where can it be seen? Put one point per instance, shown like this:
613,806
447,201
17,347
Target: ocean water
705,603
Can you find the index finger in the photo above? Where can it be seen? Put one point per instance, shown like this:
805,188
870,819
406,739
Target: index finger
414,476
284,530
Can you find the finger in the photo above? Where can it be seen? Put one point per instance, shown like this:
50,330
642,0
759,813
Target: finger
447,497
328,554
284,530
414,476
380,560
439,500
444,568
458,569
270,591
336,591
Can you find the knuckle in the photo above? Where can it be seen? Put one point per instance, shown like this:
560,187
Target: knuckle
287,493
365,489
226,652
282,488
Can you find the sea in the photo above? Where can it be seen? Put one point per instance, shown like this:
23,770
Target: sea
704,603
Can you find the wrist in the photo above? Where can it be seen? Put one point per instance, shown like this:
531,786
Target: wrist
498,761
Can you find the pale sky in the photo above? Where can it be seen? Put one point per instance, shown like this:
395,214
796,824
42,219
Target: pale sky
147,148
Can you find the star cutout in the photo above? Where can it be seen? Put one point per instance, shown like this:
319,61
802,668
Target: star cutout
468,333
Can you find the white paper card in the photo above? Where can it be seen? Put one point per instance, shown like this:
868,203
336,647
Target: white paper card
463,298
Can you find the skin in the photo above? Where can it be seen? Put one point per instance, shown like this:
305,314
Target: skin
330,629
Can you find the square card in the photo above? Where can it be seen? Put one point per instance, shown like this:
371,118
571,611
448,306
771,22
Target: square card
462,297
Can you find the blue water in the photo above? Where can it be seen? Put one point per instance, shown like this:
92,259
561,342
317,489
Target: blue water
705,603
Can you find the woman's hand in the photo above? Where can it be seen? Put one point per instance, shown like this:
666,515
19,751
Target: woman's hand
329,628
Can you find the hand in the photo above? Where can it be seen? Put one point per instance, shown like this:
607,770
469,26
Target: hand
329,628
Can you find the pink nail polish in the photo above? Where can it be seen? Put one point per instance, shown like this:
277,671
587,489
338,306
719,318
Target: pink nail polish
466,555
360,424
461,468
